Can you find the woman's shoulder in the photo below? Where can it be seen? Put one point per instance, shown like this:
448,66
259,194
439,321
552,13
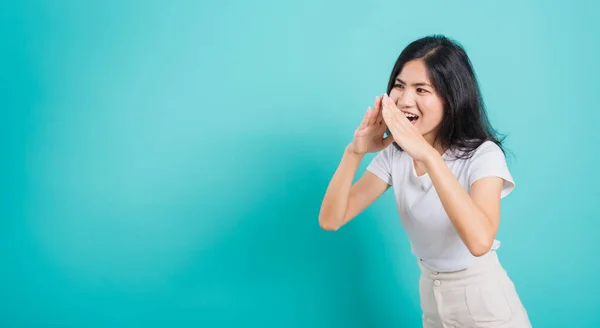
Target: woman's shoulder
487,147
488,159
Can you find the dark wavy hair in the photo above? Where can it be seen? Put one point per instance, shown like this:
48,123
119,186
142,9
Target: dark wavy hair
465,125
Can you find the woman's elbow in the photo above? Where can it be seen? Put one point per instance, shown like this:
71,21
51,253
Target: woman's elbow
328,224
480,247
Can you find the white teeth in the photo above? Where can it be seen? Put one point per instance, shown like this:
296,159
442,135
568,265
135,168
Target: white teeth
409,115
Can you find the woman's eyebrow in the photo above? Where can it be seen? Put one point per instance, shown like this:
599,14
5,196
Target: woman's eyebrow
420,84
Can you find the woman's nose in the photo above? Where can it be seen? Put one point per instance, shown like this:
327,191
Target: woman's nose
405,99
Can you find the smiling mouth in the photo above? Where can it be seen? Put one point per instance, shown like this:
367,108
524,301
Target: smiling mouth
411,117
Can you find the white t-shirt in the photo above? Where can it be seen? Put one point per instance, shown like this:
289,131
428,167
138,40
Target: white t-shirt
432,236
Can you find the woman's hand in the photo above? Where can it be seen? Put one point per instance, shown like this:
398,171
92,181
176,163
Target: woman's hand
404,132
368,137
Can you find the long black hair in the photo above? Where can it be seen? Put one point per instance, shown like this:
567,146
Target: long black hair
465,125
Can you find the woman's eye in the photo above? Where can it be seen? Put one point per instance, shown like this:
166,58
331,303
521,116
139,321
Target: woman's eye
421,90
397,85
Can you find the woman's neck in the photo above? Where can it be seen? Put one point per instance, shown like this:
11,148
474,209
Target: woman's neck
436,145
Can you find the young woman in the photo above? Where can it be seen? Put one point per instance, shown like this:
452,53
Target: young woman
449,173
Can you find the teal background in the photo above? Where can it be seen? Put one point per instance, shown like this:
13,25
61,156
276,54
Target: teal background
163,163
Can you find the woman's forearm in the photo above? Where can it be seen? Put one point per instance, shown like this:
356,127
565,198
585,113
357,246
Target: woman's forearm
335,201
471,223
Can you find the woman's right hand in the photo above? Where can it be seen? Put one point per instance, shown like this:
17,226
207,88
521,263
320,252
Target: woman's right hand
368,137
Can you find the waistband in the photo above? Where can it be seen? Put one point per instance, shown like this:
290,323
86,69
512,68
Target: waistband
482,266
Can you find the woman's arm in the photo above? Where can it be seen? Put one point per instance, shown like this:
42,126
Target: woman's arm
343,201
475,216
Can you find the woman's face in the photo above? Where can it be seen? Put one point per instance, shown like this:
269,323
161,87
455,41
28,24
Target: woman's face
413,93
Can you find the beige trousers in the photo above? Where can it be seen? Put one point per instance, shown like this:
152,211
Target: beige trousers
481,296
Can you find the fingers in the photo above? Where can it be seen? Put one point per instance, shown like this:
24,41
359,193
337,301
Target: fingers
374,113
387,102
372,116
365,120
387,112
391,115
388,120
394,113
378,108
377,104
376,118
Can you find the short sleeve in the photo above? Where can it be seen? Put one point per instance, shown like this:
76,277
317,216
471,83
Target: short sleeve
381,165
489,160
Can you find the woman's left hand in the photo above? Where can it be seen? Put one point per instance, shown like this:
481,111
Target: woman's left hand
405,134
